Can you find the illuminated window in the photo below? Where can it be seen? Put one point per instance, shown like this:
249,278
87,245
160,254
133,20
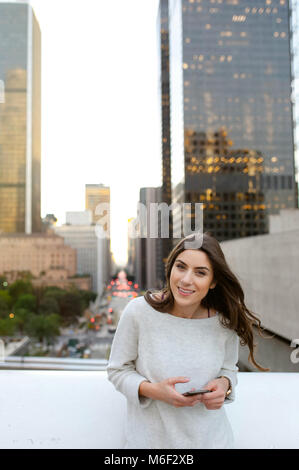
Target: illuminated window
239,18
276,34
185,66
208,26
188,40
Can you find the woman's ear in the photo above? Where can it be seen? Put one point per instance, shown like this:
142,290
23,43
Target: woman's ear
213,285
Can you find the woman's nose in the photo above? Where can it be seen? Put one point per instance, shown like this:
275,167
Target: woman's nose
187,277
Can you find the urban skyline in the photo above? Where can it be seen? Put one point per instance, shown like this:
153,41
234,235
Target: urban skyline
77,202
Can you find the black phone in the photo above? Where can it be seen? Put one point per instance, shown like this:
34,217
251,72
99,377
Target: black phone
195,392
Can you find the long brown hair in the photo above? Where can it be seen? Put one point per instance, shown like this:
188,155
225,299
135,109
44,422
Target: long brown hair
227,297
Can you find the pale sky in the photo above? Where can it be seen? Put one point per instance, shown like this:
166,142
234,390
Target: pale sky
100,114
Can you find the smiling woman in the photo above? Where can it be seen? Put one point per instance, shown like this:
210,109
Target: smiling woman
181,339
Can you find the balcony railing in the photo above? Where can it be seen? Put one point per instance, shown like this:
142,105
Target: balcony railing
70,409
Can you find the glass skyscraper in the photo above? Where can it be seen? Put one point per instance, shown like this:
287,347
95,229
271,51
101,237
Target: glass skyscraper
20,118
232,145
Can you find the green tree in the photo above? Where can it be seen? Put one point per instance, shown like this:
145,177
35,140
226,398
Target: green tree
4,295
4,309
7,326
22,317
86,297
18,288
48,305
26,301
71,307
43,327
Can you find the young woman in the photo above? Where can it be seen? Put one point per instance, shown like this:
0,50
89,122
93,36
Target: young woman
183,338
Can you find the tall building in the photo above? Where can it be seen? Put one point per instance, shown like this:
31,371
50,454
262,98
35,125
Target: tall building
96,194
149,269
164,97
20,119
232,144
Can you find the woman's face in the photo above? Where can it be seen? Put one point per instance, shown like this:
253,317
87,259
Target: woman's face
191,278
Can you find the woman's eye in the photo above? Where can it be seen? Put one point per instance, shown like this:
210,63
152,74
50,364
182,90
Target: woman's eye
180,266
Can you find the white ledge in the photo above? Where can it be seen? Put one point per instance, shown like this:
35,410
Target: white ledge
82,410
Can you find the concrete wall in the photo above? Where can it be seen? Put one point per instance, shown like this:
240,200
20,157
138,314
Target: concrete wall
267,267
82,410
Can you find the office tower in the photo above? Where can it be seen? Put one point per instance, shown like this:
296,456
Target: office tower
96,194
20,119
232,143
148,247
164,97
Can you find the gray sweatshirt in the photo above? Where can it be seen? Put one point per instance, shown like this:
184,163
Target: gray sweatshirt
150,345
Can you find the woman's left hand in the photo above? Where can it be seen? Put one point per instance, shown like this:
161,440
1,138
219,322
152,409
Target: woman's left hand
214,399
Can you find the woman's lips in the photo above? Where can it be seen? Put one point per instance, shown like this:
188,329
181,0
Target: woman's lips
185,293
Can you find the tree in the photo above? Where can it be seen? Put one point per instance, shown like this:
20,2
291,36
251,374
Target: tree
22,317
4,295
71,307
87,297
7,326
48,305
18,288
4,309
43,327
26,301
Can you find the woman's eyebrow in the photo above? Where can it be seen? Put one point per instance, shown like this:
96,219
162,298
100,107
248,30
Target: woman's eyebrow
199,267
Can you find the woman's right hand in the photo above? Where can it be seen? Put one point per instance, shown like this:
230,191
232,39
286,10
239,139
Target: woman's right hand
165,391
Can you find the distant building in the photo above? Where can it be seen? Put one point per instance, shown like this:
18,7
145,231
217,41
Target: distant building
44,256
20,119
148,250
96,194
93,256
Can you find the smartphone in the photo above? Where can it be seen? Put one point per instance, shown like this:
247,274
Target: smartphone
195,392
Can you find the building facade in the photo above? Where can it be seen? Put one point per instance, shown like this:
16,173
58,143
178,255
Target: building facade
148,245
20,119
164,97
232,143
44,256
93,256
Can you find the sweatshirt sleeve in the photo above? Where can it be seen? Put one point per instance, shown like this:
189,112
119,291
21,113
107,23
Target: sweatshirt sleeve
229,368
124,350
